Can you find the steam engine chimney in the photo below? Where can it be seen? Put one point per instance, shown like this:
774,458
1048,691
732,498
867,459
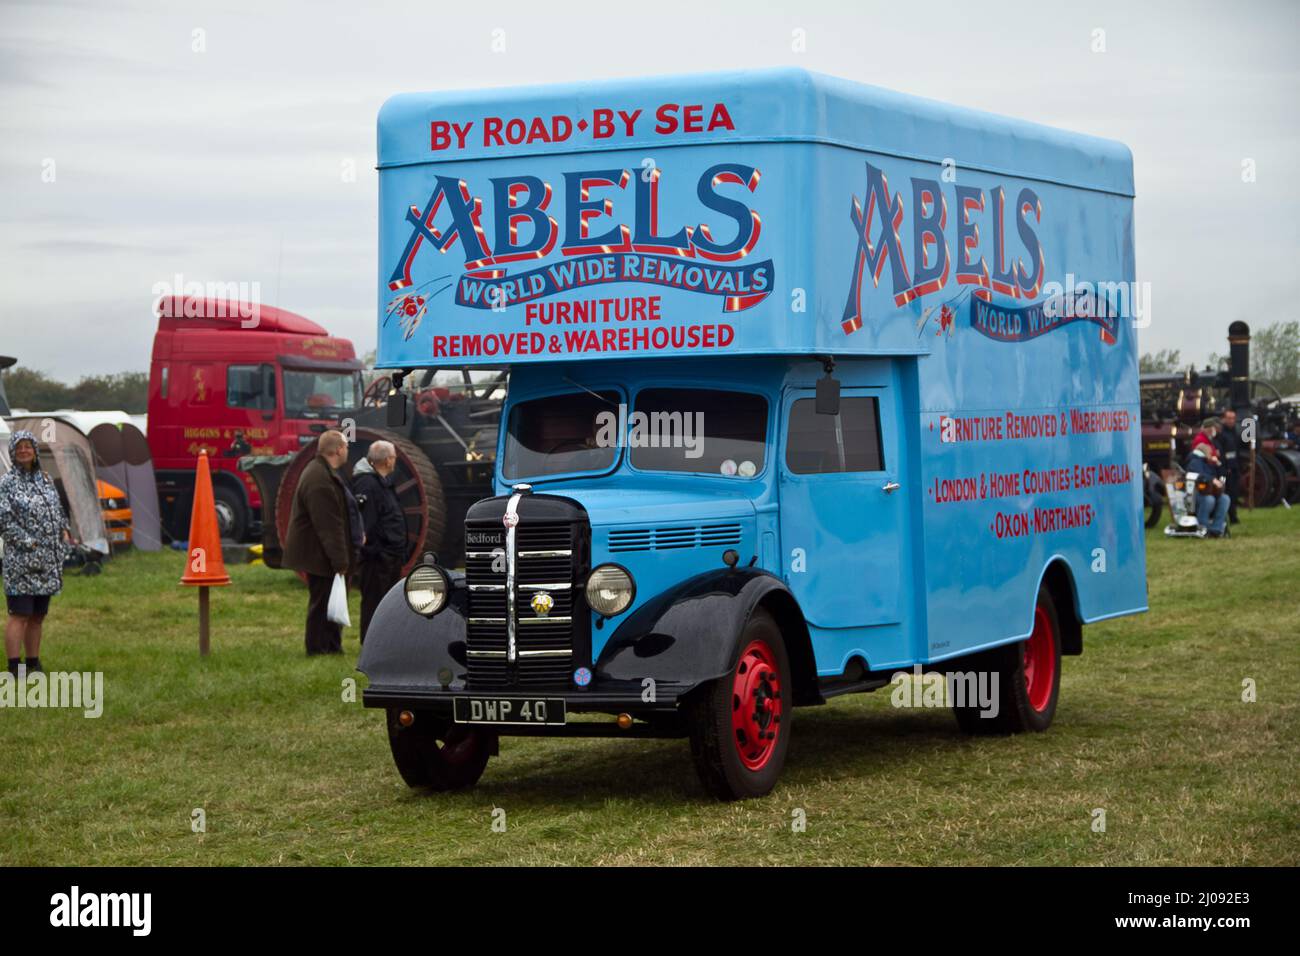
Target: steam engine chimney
1239,364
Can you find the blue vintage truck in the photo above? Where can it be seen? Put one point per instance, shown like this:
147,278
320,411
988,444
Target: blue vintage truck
812,383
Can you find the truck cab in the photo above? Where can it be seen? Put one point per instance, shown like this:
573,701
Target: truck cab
235,379
792,413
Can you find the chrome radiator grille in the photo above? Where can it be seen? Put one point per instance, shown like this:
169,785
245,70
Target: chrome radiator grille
548,647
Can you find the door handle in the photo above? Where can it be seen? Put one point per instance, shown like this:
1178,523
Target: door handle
890,487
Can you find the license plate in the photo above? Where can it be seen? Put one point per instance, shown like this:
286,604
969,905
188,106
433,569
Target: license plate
526,711
117,536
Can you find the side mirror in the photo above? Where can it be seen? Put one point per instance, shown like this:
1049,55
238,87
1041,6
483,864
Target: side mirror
396,408
828,395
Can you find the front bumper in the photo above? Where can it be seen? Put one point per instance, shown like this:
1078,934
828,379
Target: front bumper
599,697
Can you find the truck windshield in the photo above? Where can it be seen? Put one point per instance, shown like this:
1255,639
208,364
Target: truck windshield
561,434
698,430
320,394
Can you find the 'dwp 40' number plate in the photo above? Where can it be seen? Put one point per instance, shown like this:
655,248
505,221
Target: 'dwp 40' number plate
508,710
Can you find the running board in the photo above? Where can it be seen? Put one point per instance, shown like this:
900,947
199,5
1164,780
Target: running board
838,686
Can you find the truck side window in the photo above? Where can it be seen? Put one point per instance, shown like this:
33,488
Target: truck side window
849,441
249,386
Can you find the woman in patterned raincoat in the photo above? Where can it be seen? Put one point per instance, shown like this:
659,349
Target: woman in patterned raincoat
35,533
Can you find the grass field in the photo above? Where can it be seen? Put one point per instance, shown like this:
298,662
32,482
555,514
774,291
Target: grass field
1151,728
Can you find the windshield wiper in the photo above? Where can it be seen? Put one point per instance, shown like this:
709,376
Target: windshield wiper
596,395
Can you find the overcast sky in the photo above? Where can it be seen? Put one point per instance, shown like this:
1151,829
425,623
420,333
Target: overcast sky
227,164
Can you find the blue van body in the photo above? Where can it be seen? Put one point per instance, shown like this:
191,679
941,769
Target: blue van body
966,279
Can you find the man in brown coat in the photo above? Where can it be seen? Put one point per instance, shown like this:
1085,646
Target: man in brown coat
324,528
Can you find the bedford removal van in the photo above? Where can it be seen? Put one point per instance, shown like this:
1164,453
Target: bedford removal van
812,384
233,379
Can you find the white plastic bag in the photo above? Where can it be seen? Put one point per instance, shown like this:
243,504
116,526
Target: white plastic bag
338,606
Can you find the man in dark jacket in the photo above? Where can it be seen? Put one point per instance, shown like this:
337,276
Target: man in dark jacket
1229,445
322,537
384,524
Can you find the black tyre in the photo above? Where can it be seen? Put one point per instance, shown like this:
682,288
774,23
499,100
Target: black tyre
740,723
1278,485
232,513
1289,459
438,754
1028,677
1154,504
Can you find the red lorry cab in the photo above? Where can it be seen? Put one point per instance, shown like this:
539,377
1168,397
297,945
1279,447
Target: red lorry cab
234,380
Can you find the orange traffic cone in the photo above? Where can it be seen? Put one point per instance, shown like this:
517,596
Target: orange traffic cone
204,566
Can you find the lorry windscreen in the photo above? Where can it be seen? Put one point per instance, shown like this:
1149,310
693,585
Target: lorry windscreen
562,434
320,394
698,430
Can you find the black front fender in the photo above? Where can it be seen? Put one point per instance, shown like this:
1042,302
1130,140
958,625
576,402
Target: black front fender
691,634
407,651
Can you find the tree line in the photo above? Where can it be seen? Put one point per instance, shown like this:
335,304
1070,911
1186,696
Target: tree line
38,392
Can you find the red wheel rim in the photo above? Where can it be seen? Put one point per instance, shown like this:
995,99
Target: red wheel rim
756,705
1040,661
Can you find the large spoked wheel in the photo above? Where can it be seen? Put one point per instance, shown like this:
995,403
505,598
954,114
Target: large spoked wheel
1266,480
418,487
740,723
1028,679
438,754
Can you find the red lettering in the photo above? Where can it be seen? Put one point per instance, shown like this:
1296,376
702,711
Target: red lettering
439,135
693,119
720,118
538,131
629,119
667,117
602,124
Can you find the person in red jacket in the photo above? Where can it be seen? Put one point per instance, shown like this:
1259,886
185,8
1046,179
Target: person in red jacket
1212,501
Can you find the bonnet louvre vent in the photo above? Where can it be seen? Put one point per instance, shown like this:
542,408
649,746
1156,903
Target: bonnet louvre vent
674,538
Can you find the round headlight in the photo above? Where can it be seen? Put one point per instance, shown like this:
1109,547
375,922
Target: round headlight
610,590
426,590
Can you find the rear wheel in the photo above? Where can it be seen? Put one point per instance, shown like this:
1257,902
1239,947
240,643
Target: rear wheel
1028,679
1289,459
232,513
1153,504
435,753
740,723
1278,474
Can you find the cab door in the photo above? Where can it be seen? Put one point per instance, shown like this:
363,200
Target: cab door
842,508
